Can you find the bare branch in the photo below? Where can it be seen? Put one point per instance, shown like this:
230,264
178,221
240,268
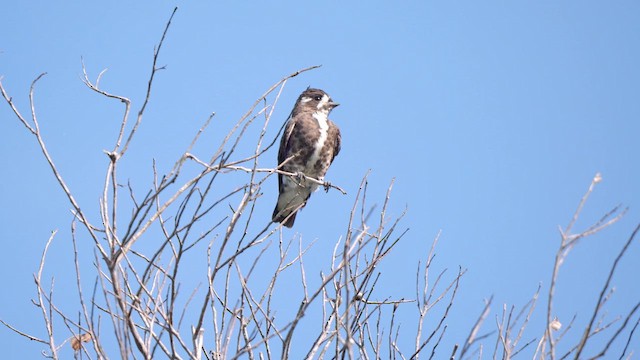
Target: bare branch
598,307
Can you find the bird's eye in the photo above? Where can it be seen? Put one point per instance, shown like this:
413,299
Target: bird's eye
318,97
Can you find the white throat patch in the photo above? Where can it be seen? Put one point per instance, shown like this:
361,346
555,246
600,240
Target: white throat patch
323,124
321,116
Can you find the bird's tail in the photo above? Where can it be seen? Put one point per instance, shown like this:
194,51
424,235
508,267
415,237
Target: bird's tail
284,216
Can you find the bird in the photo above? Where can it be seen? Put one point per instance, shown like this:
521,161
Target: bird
310,143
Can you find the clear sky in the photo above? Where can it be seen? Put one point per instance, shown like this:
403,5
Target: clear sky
492,116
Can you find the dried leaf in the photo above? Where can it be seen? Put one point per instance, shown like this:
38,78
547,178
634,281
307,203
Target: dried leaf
77,341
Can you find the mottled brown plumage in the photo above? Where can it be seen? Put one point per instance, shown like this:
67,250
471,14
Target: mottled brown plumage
313,141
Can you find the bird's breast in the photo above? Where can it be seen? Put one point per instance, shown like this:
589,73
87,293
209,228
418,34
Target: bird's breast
318,161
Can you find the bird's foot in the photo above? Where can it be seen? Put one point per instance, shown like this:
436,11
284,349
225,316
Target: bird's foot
327,186
300,178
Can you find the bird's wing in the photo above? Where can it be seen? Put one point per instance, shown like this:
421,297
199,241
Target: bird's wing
285,147
338,142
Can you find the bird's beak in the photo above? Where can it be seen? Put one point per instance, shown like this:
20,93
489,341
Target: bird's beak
333,104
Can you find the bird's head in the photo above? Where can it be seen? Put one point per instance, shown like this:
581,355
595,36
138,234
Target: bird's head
315,100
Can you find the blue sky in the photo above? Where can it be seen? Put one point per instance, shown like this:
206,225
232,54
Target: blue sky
492,117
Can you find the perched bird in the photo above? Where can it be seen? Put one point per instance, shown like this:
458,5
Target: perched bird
312,141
